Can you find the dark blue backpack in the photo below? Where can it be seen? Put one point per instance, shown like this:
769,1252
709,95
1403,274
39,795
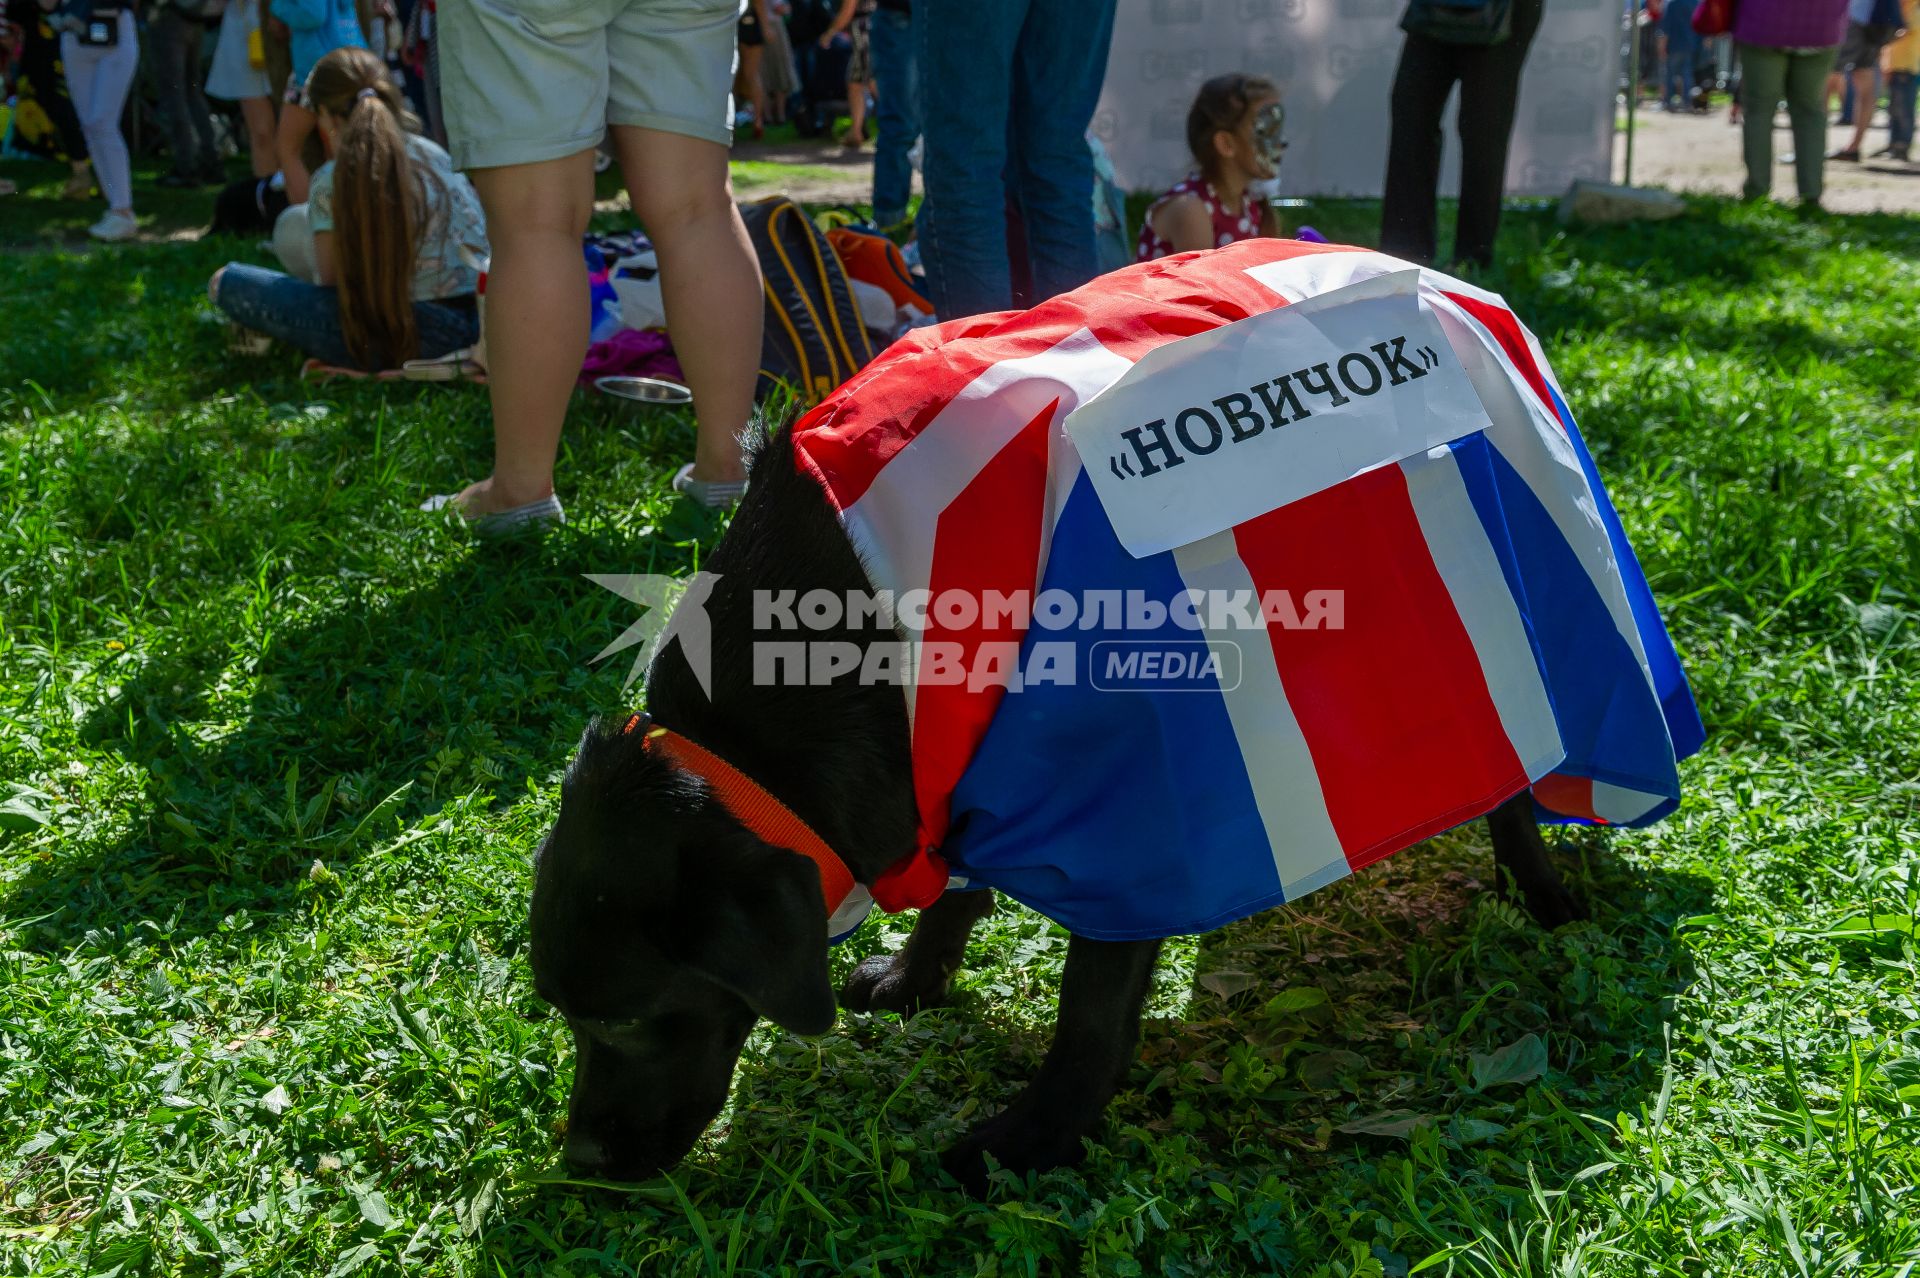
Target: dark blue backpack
1460,21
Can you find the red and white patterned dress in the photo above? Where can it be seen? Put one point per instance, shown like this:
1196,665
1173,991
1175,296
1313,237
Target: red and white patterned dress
1228,227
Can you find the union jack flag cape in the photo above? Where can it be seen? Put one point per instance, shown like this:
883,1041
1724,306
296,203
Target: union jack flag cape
1498,632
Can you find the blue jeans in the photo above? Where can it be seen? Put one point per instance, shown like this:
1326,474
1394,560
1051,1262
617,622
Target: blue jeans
1010,90
307,316
1683,50
1901,92
896,85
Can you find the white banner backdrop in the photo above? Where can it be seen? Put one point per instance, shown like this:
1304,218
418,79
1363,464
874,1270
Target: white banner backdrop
1334,62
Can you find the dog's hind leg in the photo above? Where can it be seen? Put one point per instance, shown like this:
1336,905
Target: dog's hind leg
1101,993
1521,854
920,973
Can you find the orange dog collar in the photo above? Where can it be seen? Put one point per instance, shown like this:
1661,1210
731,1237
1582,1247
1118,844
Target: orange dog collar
751,805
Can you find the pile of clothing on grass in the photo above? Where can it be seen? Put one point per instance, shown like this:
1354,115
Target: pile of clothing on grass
838,292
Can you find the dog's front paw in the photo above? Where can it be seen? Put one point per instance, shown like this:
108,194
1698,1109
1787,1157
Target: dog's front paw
1017,1143
895,983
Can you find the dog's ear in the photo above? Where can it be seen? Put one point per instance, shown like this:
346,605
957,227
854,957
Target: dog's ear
763,935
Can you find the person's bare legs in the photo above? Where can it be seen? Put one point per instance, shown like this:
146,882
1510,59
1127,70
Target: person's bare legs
262,153
709,280
1863,106
856,113
296,122
537,320
747,83
79,181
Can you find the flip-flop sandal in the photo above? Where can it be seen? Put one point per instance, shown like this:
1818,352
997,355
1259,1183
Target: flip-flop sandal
317,371
500,522
713,494
455,366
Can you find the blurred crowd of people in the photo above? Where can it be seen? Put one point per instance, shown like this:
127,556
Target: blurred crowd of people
77,64
422,165
1827,61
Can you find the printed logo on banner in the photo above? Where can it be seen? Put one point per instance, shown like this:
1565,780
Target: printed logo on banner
1564,115
1210,431
1337,98
1169,123
1274,55
1163,177
1346,62
1103,126
1268,10
1567,55
1538,175
1169,13
1165,64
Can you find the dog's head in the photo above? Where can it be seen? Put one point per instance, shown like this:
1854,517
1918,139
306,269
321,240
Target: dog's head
661,929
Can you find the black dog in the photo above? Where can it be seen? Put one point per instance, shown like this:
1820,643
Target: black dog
247,206
662,927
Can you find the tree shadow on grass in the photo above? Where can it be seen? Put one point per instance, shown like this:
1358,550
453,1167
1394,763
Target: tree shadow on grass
1313,1045
378,712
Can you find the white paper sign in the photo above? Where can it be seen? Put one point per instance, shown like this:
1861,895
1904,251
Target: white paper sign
1211,431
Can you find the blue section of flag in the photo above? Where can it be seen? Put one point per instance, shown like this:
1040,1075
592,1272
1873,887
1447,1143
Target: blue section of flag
1120,814
1610,724
1669,678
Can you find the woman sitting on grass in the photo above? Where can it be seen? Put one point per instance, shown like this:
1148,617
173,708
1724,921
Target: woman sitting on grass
389,216
1234,132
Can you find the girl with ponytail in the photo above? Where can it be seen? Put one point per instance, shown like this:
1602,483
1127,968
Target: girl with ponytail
388,217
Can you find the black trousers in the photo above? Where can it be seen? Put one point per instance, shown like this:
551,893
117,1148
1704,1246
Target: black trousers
173,50
1489,80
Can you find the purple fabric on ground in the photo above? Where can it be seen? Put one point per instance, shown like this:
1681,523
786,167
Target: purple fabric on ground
632,352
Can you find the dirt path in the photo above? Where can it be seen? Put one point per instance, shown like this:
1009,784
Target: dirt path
1702,153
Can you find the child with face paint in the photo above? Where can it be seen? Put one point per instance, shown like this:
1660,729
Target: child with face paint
1235,130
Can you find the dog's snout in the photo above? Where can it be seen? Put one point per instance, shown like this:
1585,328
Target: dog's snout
587,1153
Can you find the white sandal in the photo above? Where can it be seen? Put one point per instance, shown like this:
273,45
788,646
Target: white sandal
714,494
545,511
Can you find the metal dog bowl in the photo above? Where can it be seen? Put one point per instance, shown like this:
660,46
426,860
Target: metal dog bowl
644,390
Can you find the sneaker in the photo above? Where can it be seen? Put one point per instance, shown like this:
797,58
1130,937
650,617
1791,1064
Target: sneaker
246,341
1847,155
114,226
79,187
175,180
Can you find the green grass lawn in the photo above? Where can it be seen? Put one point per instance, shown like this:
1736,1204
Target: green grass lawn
275,749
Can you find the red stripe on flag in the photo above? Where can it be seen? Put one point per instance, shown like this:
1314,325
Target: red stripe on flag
1568,796
1394,708
1506,330
849,437
988,538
